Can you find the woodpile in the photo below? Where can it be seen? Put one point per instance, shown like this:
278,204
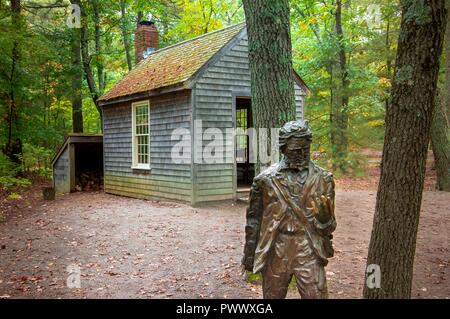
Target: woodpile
89,180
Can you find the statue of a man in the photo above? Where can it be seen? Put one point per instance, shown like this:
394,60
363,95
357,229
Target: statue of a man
290,219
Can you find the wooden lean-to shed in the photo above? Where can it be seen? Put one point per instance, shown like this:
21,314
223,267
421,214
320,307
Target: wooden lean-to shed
203,79
78,163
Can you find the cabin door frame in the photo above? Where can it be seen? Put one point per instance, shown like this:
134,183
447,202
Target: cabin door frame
243,95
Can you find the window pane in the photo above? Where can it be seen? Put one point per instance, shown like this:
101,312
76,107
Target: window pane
142,129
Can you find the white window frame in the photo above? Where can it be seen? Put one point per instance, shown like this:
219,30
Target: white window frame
134,146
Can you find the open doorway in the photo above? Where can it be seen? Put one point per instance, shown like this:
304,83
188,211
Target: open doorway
245,171
78,164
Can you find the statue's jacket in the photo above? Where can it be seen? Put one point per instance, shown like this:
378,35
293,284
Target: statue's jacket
269,204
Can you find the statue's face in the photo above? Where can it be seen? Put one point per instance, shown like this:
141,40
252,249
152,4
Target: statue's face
297,151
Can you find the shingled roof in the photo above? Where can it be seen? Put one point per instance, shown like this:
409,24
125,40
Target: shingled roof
172,65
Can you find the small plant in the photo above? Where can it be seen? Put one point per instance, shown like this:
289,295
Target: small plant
8,175
256,279
14,196
8,182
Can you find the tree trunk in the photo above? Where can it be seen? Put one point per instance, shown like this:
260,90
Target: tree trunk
408,122
440,141
339,118
140,16
441,145
388,60
447,66
86,57
270,55
77,79
123,27
98,47
13,147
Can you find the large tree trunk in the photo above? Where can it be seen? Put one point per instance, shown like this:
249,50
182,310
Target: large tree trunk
440,141
77,78
13,147
339,113
408,122
447,65
125,39
270,55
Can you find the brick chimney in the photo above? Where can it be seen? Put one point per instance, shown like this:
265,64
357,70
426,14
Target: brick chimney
145,40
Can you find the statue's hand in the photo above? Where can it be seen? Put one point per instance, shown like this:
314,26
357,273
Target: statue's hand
322,208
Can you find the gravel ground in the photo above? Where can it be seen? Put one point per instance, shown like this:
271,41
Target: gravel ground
129,248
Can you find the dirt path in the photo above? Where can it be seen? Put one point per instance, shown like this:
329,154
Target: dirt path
141,249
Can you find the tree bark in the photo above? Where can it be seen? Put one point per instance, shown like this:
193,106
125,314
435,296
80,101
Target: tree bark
126,42
339,113
440,141
440,144
447,66
77,80
98,47
270,55
86,58
388,59
13,147
408,122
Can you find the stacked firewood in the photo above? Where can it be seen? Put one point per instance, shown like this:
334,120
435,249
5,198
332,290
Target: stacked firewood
89,180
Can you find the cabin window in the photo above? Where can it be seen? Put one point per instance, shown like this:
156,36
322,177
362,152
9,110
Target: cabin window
141,135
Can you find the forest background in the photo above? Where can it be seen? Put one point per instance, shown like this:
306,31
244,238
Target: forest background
52,73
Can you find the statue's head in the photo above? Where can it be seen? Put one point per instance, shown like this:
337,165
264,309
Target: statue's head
295,142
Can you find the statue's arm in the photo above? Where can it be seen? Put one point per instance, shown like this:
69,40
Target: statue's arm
325,222
254,214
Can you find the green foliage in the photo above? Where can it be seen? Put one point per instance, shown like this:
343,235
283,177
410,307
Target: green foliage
43,72
8,175
7,168
253,278
14,196
37,159
370,57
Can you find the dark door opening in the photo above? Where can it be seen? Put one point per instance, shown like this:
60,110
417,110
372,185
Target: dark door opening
88,166
244,169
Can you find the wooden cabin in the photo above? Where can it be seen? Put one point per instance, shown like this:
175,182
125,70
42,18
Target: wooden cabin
205,78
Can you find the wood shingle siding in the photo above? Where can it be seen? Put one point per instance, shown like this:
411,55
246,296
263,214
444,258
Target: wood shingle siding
165,179
61,172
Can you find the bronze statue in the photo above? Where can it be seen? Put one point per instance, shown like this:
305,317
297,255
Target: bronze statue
290,220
